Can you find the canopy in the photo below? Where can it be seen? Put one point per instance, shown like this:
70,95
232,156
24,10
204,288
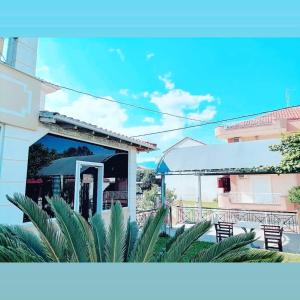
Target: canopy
219,159
67,166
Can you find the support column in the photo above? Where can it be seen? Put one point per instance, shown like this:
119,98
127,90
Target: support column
199,200
163,190
132,184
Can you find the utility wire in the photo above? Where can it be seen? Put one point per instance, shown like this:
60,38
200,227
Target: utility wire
157,111
214,122
120,102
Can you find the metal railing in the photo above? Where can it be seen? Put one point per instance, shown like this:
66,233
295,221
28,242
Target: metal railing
253,198
191,215
143,215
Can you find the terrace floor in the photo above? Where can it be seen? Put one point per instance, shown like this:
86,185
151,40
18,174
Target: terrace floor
291,241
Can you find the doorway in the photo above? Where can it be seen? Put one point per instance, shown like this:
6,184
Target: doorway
88,192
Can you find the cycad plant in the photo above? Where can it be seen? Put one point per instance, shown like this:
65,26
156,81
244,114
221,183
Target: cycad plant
70,238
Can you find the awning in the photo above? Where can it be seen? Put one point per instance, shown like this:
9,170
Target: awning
67,166
219,159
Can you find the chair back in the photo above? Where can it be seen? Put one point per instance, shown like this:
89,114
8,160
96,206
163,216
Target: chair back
223,230
273,237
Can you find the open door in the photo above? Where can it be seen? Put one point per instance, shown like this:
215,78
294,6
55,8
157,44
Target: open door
88,192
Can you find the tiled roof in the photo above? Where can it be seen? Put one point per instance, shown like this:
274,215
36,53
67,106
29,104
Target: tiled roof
53,117
292,113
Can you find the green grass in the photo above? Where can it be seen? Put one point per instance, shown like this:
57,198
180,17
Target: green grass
192,203
198,246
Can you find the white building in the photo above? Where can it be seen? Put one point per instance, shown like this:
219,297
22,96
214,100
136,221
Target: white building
44,153
188,187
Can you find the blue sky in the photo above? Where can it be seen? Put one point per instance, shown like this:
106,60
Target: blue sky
204,78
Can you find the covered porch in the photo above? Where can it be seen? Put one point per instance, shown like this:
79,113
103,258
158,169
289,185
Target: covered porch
251,158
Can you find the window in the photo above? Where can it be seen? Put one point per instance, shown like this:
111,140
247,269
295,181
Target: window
52,171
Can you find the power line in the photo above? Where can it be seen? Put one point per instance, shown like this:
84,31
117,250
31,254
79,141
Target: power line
213,122
120,102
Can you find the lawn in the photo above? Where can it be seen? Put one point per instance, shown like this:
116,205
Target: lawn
193,203
199,245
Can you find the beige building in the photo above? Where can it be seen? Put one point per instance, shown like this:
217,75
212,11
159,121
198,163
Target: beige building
260,192
44,153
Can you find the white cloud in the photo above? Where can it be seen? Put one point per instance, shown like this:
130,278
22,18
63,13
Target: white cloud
102,113
150,55
56,101
44,69
169,85
146,158
119,52
207,114
149,120
124,92
146,94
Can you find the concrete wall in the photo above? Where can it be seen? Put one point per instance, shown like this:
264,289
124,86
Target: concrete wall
280,184
13,168
186,187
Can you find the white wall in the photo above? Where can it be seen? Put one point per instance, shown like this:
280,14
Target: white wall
13,159
186,187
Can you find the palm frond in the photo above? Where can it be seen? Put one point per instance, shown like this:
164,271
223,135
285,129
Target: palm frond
99,236
116,235
145,245
178,232
184,241
72,229
52,239
31,240
131,237
10,254
251,255
88,236
224,247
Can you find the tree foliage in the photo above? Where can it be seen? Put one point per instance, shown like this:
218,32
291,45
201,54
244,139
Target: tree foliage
294,194
289,148
71,239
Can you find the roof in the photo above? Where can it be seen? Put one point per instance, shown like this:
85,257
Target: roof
66,166
219,159
56,118
182,141
291,113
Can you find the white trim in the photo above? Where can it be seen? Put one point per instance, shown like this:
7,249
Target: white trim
100,166
25,111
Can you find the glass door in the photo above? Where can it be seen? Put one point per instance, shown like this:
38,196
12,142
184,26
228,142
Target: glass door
88,192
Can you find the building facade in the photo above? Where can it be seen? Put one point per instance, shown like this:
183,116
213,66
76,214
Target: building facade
44,153
259,192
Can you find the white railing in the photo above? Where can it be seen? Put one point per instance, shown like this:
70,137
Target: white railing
253,198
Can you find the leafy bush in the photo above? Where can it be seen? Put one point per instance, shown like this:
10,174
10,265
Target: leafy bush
294,194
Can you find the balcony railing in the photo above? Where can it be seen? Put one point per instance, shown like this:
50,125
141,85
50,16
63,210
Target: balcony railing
253,198
111,197
192,215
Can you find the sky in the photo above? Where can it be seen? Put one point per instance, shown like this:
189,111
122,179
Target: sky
207,79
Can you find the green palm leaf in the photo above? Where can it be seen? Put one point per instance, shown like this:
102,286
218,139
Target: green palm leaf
31,240
184,241
88,236
10,254
72,229
251,255
131,237
178,232
16,248
229,244
99,236
116,235
52,239
145,245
